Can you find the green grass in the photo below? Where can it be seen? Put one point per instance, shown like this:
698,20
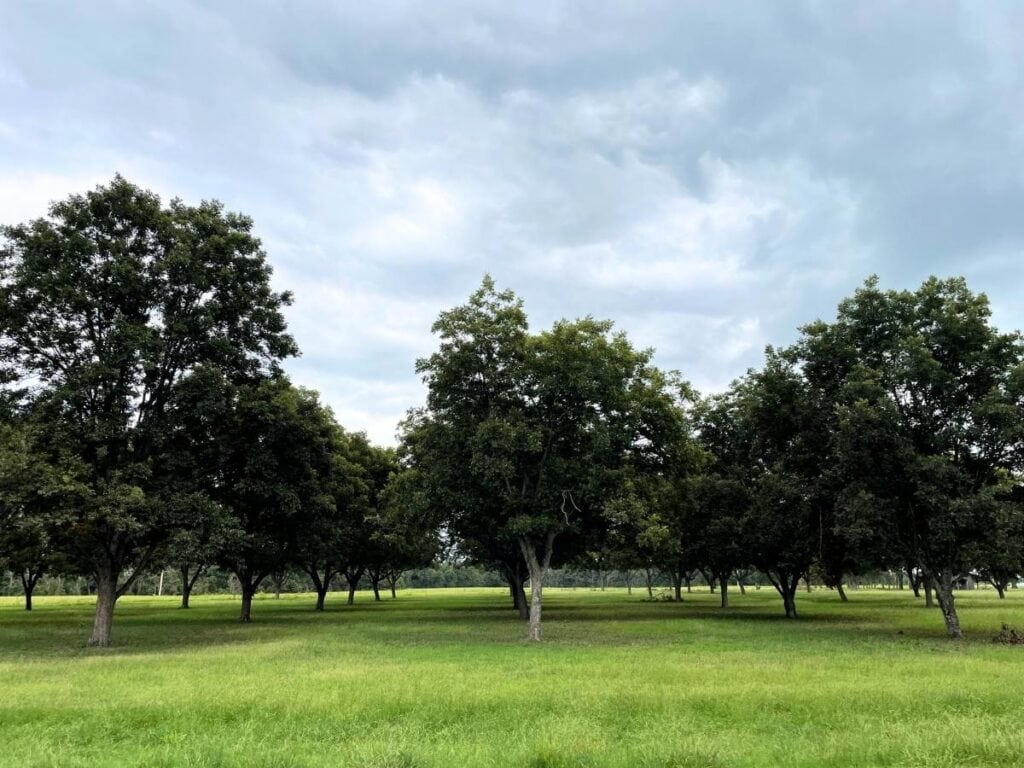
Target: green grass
444,678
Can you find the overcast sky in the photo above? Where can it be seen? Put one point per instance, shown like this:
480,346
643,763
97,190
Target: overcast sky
708,175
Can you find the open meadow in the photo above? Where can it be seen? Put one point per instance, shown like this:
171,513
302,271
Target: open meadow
446,678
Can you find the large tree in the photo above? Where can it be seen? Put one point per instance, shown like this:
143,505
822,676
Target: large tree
929,414
106,306
529,432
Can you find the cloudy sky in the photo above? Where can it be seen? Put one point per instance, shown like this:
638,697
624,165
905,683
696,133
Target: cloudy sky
708,175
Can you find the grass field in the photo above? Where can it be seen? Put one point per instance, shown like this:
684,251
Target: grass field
444,678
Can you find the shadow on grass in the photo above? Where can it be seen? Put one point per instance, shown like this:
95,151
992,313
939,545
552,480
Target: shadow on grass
59,626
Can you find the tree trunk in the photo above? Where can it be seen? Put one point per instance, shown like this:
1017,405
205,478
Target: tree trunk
186,590
29,579
944,593
103,621
929,585
515,588
375,583
723,587
1001,590
915,580
677,586
650,587
248,588
537,567
689,584
353,577
629,581
789,603
786,585
842,592
739,583
393,583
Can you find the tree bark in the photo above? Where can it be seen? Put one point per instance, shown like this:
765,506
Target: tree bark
944,593
929,585
353,577
723,588
677,586
739,583
321,586
650,587
786,585
375,583
248,588
103,621
29,579
1001,590
537,567
842,593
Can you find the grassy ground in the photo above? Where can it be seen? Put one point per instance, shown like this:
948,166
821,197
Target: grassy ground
444,678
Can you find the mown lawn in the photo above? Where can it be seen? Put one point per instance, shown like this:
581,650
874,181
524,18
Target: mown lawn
444,678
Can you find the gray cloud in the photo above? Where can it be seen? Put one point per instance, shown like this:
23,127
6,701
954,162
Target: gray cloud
709,176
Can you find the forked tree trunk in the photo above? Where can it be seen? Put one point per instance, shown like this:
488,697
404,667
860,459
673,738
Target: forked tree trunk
517,592
320,585
29,579
944,593
537,564
353,577
786,584
1000,588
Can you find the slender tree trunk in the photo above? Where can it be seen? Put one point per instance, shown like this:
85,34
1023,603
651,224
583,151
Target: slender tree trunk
677,586
375,583
278,583
186,589
650,587
537,567
689,584
807,582
915,580
842,592
1000,588
944,593
723,585
739,583
393,591
103,621
515,588
929,585
248,589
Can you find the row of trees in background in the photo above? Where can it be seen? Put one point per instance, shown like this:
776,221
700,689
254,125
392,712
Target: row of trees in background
889,438
145,423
